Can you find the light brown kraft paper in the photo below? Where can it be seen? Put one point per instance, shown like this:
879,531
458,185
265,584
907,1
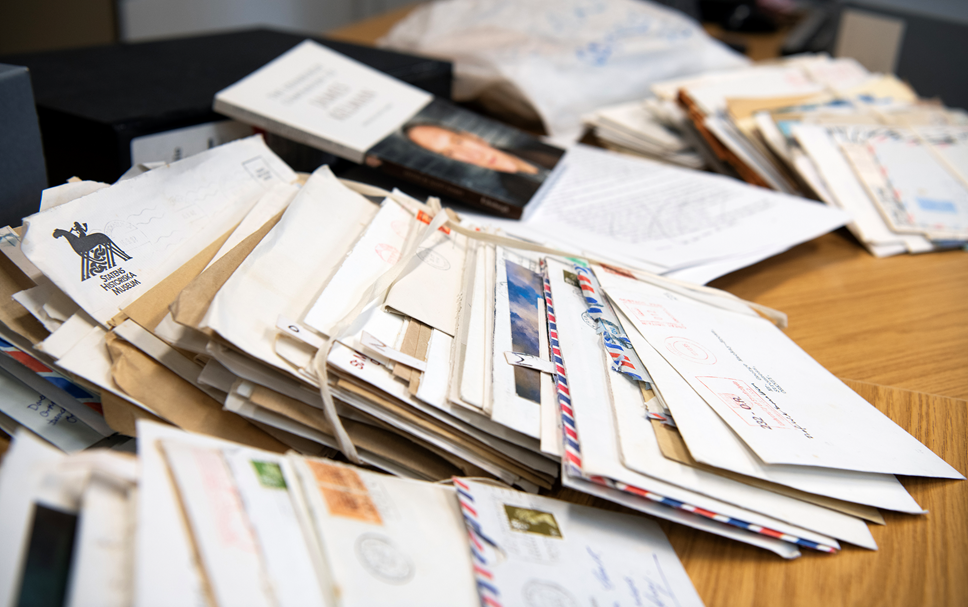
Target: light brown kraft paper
12,314
451,435
152,307
178,401
378,441
122,416
190,306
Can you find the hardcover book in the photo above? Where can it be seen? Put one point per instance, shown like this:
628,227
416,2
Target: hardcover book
319,97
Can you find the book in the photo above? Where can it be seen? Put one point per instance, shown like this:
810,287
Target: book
318,97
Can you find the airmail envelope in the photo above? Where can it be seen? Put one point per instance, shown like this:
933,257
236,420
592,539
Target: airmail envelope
531,550
779,400
388,541
107,249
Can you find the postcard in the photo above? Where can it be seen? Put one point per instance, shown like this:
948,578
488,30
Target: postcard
519,323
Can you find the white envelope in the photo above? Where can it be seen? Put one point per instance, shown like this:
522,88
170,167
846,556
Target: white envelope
712,442
532,550
43,416
166,571
779,400
108,248
388,540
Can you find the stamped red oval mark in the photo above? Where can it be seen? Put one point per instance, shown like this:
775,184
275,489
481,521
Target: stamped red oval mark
387,253
689,350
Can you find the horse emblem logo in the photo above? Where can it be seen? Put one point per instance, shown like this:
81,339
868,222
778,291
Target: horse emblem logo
97,251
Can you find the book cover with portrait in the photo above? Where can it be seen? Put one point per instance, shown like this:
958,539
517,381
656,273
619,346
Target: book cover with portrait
318,97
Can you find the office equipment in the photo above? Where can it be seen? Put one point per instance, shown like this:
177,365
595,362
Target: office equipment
22,169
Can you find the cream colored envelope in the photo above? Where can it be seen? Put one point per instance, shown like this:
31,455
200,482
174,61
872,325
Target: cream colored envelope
430,287
387,541
107,249
288,268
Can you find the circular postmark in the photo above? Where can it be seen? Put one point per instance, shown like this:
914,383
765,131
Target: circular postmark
591,322
689,350
383,560
433,259
387,253
542,593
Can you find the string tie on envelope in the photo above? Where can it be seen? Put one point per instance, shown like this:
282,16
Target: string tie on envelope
443,218
342,328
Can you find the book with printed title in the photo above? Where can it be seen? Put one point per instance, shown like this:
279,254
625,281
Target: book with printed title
319,97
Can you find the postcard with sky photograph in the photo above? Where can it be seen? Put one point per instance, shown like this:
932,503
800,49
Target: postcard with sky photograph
520,325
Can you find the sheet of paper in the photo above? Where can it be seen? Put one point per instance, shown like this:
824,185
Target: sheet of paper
657,217
108,248
546,551
781,402
388,540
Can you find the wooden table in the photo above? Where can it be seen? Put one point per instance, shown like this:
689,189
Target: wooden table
896,331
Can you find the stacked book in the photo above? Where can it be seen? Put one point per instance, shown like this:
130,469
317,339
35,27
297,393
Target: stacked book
830,130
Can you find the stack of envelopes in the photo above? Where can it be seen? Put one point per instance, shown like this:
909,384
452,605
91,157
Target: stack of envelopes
829,129
225,295
198,520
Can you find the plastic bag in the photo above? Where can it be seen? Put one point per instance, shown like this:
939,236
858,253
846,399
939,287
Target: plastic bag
555,60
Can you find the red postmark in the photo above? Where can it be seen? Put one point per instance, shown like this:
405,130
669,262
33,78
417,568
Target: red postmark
690,350
743,400
652,314
387,253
